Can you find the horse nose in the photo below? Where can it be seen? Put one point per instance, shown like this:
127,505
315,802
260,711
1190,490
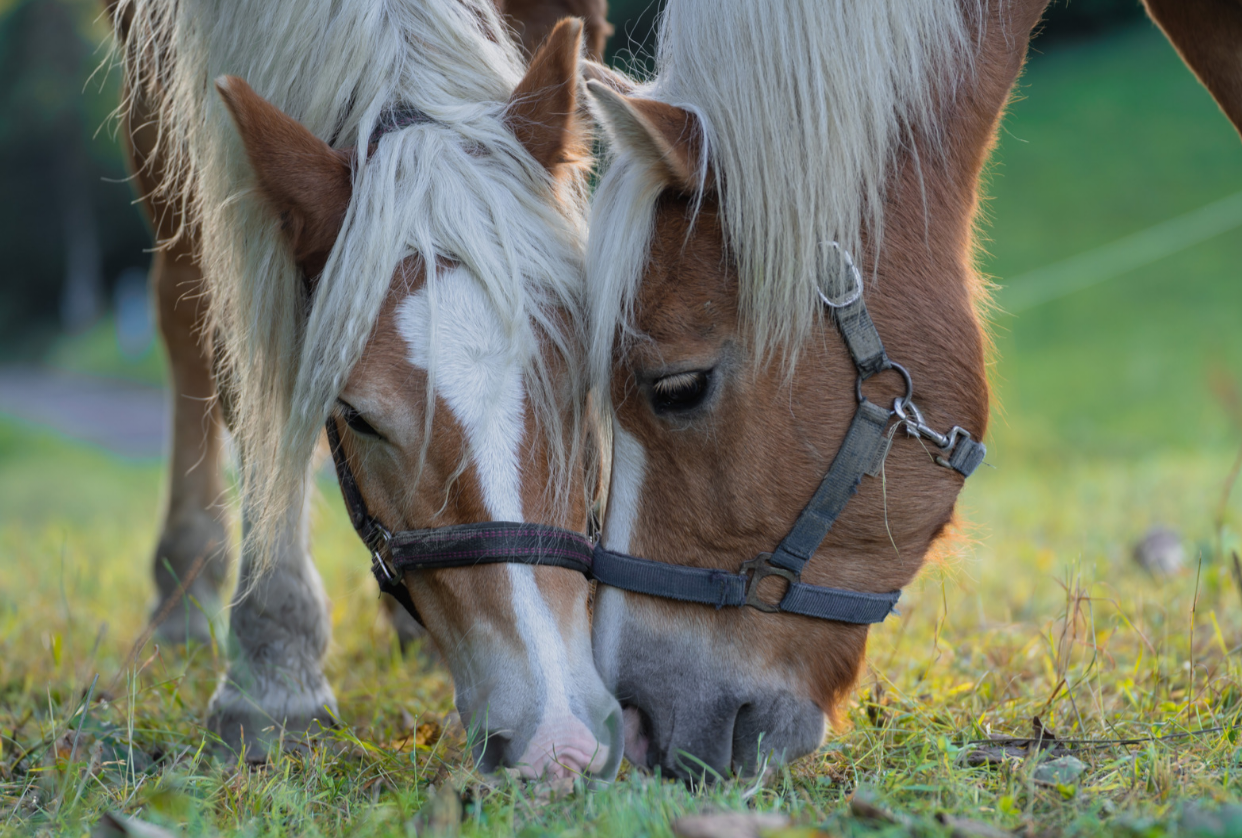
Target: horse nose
566,747
692,742
721,734
561,746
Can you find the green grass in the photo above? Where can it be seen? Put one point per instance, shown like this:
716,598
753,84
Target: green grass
1111,423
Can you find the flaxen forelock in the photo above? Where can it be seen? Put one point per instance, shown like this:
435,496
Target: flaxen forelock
801,115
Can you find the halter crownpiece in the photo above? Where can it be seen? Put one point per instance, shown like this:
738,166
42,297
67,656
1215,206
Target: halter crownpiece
862,453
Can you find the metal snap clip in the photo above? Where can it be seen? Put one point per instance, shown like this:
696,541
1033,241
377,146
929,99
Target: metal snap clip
381,543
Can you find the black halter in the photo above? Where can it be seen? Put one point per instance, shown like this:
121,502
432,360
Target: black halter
862,453
460,545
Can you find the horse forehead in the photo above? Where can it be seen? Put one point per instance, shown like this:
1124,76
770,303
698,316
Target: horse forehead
689,288
453,330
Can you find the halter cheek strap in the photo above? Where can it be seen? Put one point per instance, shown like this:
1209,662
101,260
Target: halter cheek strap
862,453
459,545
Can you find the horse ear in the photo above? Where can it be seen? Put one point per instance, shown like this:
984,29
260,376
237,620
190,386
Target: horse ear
602,73
543,110
665,137
306,181
1207,34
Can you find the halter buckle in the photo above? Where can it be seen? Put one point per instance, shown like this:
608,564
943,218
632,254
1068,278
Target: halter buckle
760,568
380,543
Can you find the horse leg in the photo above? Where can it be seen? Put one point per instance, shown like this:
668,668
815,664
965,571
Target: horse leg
192,557
275,689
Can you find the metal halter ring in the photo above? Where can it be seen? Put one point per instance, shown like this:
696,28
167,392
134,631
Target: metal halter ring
858,283
892,365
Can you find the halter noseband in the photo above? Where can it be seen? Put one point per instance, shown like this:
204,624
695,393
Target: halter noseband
862,453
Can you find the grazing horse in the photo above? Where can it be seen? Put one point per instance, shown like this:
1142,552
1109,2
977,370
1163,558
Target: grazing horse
388,215
786,321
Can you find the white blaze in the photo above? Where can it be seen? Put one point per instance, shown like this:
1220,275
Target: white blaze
478,372
629,467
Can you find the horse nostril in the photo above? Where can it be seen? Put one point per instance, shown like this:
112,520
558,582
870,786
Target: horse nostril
637,736
747,745
491,754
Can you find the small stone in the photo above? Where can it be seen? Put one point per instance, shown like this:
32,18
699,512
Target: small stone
1160,551
1061,771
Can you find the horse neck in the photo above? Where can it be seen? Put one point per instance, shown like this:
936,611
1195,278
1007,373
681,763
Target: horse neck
924,293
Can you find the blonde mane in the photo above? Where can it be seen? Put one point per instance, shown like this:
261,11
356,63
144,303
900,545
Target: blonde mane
457,186
802,105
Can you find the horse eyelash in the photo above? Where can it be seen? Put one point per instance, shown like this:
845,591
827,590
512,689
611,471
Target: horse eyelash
672,383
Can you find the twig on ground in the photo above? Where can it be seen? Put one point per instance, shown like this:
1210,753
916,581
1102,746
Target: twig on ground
1100,743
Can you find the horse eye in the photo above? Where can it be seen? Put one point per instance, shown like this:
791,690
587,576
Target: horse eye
681,391
355,421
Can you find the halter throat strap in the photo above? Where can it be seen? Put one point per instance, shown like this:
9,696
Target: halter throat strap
862,453
459,545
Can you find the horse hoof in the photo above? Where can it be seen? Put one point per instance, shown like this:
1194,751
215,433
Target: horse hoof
287,719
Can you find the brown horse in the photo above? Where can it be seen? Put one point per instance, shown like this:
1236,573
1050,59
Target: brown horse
389,238
728,332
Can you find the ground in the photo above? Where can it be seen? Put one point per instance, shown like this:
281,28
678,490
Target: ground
1117,410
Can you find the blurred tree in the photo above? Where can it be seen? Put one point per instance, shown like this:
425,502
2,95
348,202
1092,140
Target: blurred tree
67,224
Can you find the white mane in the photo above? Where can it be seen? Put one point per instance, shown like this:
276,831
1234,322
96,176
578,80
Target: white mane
459,186
802,104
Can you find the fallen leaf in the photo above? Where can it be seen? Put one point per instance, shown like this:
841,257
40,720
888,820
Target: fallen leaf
728,825
113,825
427,734
966,828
